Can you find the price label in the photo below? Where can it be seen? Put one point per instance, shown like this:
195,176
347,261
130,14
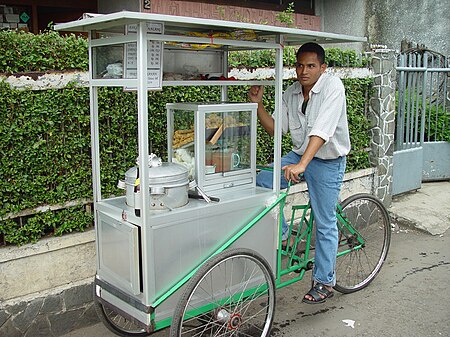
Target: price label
154,56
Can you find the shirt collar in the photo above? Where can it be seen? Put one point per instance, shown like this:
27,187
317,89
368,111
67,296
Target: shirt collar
319,84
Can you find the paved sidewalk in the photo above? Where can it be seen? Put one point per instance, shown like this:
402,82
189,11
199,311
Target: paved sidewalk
427,209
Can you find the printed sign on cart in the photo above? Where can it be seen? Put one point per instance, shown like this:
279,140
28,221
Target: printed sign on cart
154,56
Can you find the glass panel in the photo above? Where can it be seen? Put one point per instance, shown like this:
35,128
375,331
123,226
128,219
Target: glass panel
228,141
108,61
109,32
183,140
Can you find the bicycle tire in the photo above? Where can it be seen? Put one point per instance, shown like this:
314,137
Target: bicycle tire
356,269
238,287
116,322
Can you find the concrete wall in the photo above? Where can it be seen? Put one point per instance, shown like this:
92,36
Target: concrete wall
46,287
46,264
419,21
343,17
388,22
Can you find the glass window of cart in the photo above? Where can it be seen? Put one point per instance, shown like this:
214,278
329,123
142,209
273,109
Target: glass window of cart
227,141
183,140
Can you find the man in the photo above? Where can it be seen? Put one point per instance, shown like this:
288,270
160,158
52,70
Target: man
314,112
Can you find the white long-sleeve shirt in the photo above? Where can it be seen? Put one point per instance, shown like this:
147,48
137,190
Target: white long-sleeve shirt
325,117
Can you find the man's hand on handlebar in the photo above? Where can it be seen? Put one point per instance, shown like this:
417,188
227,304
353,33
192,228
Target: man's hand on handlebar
293,172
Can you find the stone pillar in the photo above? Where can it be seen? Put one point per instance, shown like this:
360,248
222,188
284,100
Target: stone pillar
382,117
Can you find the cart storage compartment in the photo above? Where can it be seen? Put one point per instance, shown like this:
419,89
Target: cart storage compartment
183,238
118,256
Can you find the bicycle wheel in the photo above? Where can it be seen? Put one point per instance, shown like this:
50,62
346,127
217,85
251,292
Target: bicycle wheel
118,323
368,216
233,293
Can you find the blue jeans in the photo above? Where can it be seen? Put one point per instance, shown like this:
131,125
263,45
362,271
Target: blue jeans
324,180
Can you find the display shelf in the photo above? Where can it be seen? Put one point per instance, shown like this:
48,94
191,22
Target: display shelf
119,82
218,83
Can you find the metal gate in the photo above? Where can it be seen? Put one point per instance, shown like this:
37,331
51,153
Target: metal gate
422,139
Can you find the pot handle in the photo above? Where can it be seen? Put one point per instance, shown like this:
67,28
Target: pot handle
193,185
157,190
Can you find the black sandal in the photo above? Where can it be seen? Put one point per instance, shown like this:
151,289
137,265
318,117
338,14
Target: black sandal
319,294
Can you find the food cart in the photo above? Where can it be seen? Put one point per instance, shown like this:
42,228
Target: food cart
177,214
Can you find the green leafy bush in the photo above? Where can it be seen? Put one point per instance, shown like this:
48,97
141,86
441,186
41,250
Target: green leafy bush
358,92
334,57
46,136
21,51
32,228
437,124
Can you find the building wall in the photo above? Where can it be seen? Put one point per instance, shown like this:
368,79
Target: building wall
35,15
388,22
208,11
343,17
419,21
106,6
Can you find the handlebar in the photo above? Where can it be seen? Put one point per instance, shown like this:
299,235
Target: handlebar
270,168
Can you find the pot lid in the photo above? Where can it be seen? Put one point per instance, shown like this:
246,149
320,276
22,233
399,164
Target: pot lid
167,174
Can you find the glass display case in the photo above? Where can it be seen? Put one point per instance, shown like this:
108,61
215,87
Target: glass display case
215,141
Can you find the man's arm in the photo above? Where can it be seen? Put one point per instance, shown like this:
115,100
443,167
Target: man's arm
255,95
291,172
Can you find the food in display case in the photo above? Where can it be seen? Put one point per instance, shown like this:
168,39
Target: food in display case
182,137
187,159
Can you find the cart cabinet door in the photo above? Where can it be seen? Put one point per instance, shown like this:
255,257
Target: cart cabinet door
118,253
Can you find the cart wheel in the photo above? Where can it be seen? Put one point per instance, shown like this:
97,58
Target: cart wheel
233,293
117,323
368,216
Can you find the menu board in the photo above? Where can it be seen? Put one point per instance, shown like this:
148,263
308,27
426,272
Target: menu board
154,56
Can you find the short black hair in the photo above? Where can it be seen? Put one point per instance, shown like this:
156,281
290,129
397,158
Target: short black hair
312,47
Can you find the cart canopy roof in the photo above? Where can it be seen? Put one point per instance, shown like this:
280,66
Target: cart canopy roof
176,25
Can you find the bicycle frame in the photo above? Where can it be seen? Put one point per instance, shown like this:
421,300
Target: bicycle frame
303,262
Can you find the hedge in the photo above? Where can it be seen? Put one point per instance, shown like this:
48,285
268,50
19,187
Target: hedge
45,135
45,138
22,52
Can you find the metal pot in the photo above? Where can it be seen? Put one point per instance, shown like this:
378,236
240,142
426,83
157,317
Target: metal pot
169,186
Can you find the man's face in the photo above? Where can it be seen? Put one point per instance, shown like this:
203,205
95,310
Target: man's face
309,69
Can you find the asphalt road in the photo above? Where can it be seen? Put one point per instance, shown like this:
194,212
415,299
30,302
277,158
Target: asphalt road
410,297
